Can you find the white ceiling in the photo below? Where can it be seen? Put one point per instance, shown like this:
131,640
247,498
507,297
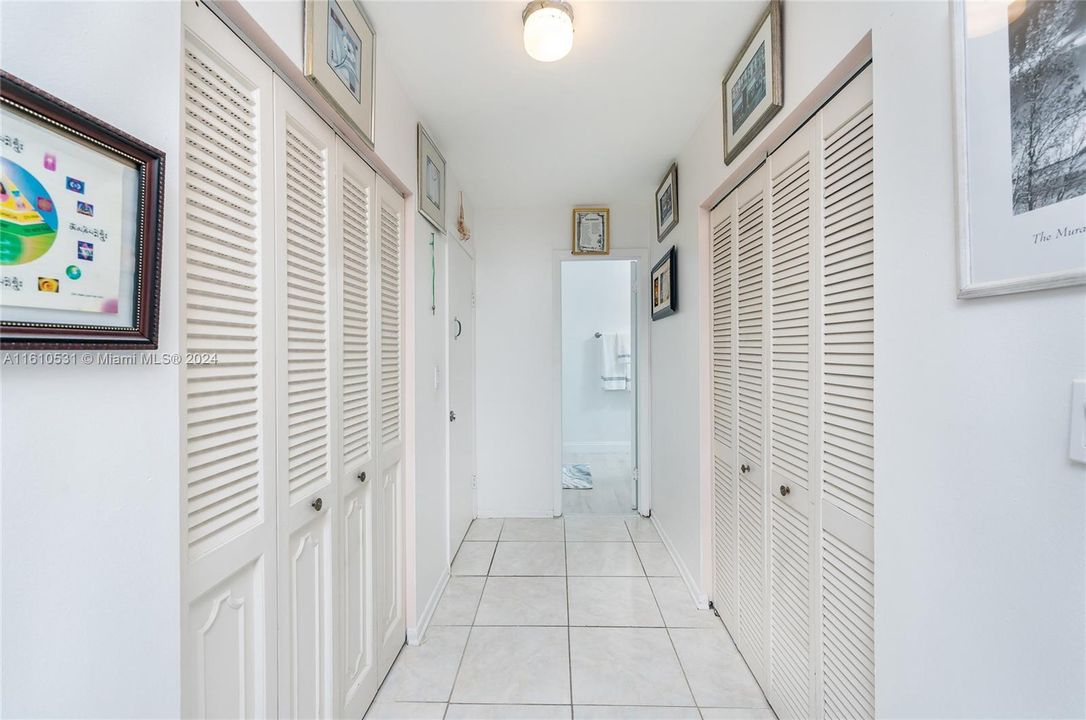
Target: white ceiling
604,122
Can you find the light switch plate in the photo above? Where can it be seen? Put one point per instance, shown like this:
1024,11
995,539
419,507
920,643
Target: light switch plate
1078,421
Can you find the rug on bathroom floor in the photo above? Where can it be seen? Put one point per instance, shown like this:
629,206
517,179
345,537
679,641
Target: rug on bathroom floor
576,477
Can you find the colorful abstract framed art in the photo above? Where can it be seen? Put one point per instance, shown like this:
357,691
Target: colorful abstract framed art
80,227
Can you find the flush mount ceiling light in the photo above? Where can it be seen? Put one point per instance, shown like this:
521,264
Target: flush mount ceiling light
548,30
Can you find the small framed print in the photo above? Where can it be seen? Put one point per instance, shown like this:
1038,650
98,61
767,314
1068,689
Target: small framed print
667,203
340,57
431,190
753,89
80,227
665,285
591,231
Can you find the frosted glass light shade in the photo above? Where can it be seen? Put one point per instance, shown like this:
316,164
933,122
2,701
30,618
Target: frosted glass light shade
548,30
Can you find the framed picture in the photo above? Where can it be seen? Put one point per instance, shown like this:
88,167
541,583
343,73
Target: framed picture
753,89
1020,118
80,227
667,203
591,231
340,55
665,285
431,191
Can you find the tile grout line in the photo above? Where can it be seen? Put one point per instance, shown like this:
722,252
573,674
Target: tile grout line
569,618
467,641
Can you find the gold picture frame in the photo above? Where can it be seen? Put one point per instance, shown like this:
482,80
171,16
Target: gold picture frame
591,231
340,59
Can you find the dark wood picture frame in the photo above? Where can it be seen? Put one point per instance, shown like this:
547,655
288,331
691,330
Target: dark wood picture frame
150,164
670,261
672,174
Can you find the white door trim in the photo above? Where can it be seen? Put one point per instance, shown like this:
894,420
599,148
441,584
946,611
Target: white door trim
642,366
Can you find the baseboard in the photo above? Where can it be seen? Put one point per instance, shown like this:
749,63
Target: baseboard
595,448
415,635
701,600
516,514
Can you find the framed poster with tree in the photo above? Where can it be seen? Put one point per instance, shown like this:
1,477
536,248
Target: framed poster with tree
1020,105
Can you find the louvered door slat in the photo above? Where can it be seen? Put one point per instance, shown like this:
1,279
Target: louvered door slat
789,427
307,352
357,202
751,553
228,500
390,393
848,480
790,308
224,441
751,236
725,591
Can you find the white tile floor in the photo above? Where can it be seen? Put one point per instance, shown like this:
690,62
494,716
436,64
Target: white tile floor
569,618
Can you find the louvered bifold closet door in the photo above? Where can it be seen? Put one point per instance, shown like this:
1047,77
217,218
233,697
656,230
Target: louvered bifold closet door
848,481
391,616
228,492
751,233
792,560
357,671
307,457
722,223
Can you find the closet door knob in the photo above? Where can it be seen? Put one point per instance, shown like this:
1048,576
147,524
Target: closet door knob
362,476
744,468
785,490
317,504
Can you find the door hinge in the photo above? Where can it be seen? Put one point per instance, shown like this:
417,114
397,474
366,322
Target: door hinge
473,299
474,481
637,473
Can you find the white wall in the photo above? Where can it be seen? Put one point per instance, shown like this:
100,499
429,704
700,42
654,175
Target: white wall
515,315
89,461
395,142
595,298
980,536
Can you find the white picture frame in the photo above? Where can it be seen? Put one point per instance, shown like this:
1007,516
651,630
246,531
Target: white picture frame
343,71
995,240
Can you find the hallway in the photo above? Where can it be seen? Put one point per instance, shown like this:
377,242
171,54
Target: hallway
580,617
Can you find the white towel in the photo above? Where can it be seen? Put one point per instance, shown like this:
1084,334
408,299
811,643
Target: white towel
615,361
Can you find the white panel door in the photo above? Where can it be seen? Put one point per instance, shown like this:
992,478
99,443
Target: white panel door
461,383
848,451
356,656
228,499
308,498
794,170
722,224
752,279
391,618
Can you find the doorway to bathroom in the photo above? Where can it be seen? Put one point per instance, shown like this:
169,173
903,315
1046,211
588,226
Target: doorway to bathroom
600,458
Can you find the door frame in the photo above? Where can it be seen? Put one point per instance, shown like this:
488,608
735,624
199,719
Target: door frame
642,412
450,551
